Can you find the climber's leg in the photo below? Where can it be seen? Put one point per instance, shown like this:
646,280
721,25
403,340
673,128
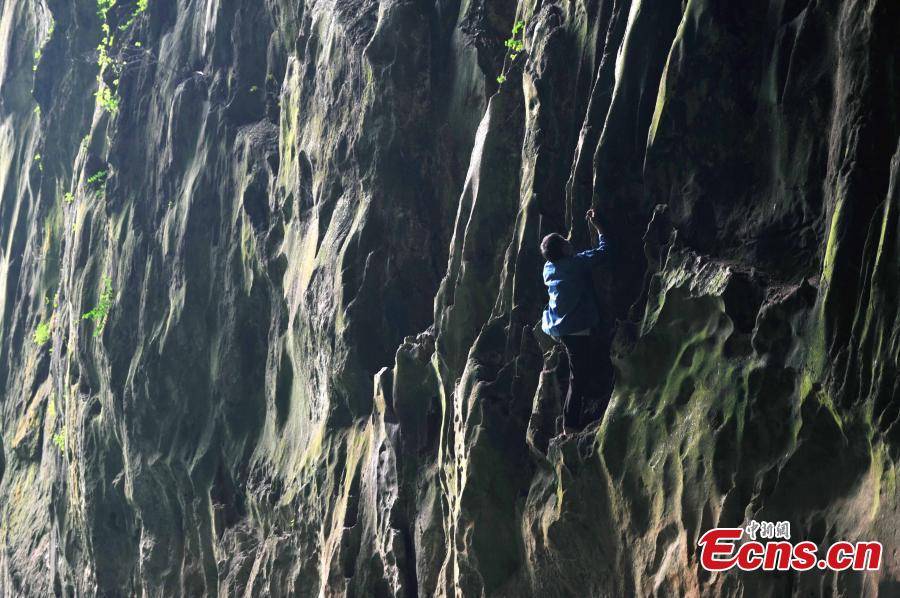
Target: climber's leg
579,350
603,373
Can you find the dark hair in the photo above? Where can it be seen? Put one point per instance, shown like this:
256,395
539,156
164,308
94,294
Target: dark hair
553,247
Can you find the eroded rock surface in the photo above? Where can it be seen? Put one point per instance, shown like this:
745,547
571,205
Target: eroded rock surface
307,233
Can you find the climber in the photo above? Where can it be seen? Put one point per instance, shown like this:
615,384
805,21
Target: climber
572,313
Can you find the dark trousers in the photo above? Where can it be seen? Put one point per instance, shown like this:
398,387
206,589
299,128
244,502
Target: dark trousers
588,390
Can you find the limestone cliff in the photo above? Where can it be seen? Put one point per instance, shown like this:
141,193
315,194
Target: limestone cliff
269,278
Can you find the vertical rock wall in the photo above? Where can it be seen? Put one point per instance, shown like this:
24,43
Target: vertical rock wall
305,236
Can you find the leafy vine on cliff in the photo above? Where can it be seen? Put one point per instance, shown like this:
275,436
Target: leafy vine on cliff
107,95
100,314
515,45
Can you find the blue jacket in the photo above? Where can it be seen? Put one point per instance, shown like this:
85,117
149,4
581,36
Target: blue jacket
572,306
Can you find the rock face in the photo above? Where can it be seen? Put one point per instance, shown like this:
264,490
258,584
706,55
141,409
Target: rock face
220,219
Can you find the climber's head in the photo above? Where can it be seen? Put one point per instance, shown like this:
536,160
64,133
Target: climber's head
555,247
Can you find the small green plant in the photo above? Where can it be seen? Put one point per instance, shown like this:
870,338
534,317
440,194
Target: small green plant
515,45
107,94
104,95
42,334
68,197
59,439
139,9
40,51
97,182
107,99
100,314
98,177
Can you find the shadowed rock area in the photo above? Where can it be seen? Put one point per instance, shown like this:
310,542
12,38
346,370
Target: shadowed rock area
270,291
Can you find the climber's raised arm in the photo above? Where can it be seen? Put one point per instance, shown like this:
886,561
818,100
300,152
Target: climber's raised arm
598,255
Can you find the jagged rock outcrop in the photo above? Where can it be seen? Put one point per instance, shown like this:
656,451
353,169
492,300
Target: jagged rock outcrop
270,280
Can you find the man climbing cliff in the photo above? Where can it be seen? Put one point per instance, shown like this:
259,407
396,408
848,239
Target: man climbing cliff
572,313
